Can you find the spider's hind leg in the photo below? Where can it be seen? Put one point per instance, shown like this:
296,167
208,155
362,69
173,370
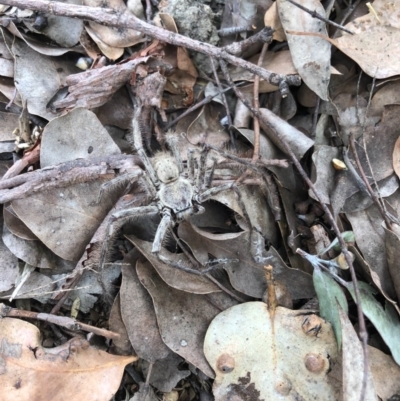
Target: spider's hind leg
118,217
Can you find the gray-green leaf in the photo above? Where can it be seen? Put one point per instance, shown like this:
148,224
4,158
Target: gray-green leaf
386,321
329,296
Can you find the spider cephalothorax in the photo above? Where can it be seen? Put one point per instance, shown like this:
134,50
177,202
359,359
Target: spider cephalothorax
175,191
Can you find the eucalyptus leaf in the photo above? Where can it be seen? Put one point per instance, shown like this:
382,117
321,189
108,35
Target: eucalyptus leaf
386,321
348,236
330,295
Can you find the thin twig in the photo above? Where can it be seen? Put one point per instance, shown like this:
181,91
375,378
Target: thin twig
347,14
256,103
362,329
111,17
63,321
225,102
195,107
314,14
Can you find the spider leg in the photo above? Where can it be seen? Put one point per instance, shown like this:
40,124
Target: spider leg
121,180
127,180
190,162
166,224
172,143
202,167
120,215
137,143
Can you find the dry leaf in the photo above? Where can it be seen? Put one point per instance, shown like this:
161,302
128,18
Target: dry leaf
245,275
138,314
264,355
353,364
29,370
182,317
72,217
375,46
311,54
75,135
32,68
121,345
271,19
174,277
64,31
111,36
370,239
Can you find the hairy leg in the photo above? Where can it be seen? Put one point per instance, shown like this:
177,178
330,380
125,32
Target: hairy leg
117,217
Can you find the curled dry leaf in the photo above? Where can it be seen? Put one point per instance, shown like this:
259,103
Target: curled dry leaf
175,278
182,317
62,30
112,37
246,341
73,368
311,54
298,142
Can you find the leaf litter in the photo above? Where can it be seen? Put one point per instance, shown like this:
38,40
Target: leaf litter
183,289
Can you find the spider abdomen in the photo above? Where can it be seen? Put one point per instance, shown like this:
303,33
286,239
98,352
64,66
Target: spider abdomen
177,195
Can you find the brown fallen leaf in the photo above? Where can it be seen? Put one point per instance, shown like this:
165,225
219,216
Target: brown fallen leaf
375,45
112,37
73,370
182,317
174,277
138,314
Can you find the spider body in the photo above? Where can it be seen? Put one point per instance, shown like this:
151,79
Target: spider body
177,193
